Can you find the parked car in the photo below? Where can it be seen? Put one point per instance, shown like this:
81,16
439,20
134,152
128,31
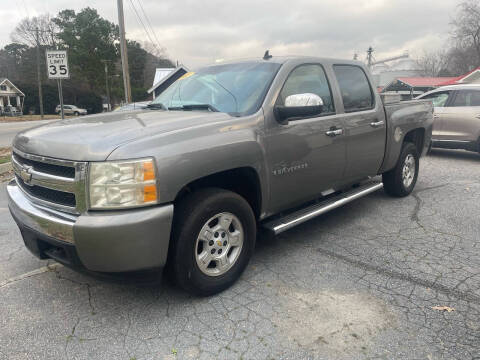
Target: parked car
223,152
456,117
10,110
133,106
71,110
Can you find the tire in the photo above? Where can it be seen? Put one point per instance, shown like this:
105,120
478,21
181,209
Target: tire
399,181
204,211
76,113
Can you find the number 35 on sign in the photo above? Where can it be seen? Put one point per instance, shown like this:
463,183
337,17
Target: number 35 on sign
57,64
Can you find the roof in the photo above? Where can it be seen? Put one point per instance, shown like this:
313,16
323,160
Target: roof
162,74
462,78
424,81
2,80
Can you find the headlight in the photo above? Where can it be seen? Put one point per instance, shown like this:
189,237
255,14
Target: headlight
122,184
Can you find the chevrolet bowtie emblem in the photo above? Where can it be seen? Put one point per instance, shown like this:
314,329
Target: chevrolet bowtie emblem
25,174
219,243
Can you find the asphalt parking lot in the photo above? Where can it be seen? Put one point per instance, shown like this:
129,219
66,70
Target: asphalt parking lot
357,283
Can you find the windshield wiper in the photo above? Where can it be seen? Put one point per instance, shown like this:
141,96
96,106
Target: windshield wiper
157,106
195,107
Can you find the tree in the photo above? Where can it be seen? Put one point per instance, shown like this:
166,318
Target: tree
466,32
433,63
35,31
89,39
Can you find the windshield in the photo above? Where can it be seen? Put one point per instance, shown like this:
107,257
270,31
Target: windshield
237,89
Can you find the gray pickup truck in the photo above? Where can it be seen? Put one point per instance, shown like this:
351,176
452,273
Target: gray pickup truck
187,183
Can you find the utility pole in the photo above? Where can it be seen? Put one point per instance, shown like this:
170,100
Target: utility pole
369,57
105,62
39,76
123,53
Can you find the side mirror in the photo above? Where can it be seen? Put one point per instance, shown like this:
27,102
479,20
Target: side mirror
298,106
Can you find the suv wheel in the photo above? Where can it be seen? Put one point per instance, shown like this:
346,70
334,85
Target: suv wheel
76,113
401,180
213,240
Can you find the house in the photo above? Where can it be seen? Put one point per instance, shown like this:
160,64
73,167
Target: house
10,95
410,87
164,77
472,77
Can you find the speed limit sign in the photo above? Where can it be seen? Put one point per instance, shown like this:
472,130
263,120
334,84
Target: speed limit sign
57,64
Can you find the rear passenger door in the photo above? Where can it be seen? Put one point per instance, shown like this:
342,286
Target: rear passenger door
461,122
364,121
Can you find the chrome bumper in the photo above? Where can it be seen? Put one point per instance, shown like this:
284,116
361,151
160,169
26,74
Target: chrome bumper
46,221
116,241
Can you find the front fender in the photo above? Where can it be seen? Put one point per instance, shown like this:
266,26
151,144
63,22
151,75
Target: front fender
191,154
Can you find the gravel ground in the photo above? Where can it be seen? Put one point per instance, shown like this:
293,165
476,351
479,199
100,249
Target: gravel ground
357,283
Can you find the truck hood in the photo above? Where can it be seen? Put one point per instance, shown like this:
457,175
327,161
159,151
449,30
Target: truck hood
94,137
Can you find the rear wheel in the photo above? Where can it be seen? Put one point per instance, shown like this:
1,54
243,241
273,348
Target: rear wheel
401,180
213,240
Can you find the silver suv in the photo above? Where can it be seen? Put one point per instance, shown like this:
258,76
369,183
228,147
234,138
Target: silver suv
456,116
71,110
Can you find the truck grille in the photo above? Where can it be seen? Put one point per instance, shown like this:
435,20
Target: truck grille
57,170
53,196
55,183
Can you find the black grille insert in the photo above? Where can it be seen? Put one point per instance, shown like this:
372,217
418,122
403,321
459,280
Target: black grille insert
57,170
53,196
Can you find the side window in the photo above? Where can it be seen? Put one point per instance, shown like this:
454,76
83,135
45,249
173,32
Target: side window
467,98
439,99
356,92
309,79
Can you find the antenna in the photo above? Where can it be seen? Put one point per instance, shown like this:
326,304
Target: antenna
267,55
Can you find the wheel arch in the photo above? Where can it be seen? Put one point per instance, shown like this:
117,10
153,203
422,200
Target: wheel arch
416,137
244,181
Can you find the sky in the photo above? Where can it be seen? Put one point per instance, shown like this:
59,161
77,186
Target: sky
198,32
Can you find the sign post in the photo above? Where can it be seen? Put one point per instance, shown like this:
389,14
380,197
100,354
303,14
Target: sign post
57,68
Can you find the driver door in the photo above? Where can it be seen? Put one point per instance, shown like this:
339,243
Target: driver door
303,159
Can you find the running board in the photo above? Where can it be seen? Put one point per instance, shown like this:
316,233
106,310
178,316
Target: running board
300,216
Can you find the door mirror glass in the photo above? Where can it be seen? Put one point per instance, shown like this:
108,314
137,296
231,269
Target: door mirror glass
299,106
307,99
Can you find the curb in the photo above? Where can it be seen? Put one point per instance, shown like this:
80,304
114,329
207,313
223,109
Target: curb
5,167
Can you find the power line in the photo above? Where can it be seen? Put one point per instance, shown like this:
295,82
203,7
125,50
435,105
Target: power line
149,23
141,22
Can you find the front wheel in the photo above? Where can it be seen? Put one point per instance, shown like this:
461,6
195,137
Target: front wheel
401,180
76,113
213,240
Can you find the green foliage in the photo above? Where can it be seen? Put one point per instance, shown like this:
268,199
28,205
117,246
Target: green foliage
82,98
89,40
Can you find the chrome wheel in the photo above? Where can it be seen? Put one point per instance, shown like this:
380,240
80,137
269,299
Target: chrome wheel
219,244
408,171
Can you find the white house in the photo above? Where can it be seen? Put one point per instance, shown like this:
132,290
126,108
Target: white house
10,94
164,77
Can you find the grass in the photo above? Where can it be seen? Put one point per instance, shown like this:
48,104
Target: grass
4,159
5,154
27,118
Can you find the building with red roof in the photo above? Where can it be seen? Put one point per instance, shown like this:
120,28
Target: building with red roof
472,77
410,87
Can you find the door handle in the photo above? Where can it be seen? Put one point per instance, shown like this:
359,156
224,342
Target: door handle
377,123
334,132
